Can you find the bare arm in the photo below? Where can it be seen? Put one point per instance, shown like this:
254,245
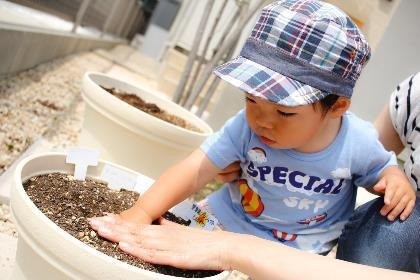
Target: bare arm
190,248
173,186
263,259
387,134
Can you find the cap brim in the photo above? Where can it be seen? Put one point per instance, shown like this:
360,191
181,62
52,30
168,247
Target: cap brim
263,82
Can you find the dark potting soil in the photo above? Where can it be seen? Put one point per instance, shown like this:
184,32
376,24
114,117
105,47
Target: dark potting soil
68,203
151,109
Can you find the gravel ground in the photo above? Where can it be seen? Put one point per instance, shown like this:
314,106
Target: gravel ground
6,224
34,101
42,102
45,102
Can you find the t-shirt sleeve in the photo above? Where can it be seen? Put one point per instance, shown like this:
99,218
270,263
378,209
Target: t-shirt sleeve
373,159
227,145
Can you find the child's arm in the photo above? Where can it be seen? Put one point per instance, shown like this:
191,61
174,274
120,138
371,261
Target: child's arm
399,195
386,132
173,186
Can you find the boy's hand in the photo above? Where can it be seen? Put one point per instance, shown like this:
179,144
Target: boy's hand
399,195
134,215
131,216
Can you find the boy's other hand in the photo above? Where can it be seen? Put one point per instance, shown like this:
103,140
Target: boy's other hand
399,195
134,215
101,224
128,217
229,174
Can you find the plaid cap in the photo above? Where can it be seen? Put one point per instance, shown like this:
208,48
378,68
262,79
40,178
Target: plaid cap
299,51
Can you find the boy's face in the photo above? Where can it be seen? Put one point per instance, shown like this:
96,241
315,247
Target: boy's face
281,127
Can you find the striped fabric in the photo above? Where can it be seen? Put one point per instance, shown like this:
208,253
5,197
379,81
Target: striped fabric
299,51
404,110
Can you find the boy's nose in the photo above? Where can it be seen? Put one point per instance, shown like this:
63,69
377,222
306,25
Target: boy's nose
264,122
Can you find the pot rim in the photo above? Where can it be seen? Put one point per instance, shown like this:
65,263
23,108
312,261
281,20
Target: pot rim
200,123
74,242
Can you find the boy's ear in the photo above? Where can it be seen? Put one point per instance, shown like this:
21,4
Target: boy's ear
340,107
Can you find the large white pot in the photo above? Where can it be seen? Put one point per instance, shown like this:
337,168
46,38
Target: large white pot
45,251
128,136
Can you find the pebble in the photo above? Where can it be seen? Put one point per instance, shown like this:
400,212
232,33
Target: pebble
6,223
42,102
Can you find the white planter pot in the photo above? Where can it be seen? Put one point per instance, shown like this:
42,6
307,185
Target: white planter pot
128,136
45,251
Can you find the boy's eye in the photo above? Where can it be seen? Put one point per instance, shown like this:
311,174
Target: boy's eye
284,114
247,99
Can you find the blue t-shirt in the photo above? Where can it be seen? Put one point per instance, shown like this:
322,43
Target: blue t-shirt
301,199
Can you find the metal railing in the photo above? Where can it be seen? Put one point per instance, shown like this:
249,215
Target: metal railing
119,18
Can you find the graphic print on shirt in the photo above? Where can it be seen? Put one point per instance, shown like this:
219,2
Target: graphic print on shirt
257,155
284,236
296,181
313,220
305,204
343,173
251,201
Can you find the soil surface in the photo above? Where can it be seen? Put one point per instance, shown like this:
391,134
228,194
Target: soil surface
68,203
151,109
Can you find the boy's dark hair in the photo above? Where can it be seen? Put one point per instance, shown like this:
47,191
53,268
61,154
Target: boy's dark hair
326,103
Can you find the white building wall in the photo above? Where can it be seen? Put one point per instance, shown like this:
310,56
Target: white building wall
395,58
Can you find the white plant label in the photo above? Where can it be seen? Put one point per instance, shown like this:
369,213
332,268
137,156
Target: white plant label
195,215
81,158
118,178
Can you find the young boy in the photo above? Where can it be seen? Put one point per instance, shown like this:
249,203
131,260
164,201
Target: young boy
301,154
